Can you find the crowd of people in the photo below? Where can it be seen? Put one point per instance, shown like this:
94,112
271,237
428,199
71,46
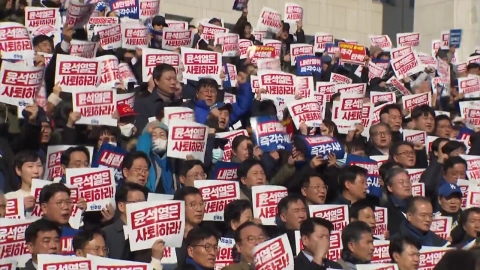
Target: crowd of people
53,164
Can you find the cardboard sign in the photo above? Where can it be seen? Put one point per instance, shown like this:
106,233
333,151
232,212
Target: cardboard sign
217,195
153,57
275,253
337,214
174,38
321,39
408,39
187,138
76,73
20,83
265,200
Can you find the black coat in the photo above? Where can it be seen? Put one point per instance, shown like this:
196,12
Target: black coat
301,262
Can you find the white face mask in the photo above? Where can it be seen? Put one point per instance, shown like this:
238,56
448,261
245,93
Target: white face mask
217,155
112,143
127,130
159,146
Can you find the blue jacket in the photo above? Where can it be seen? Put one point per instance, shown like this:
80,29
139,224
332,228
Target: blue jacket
166,179
240,108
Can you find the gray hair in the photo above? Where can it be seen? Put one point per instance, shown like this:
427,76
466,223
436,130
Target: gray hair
392,173
374,127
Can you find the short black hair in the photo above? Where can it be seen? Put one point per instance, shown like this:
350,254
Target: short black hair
121,194
385,167
197,234
398,243
411,208
238,140
306,175
393,151
245,166
181,193
25,156
237,235
65,157
132,156
473,66
442,117
233,210
452,161
160,69
40,225
98,131
81,239
285,202
390,107
206,82
308,225
41,38
358,206
187,165
353,232
422,110
451,146
349,174
50,190
436,143
463,218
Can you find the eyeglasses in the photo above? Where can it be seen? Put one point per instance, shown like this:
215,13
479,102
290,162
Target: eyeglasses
59,204
195,205
105,250
380,133
208,248
198,176
407,153
252,239
209,91
404,183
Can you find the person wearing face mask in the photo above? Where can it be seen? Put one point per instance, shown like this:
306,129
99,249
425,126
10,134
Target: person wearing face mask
153,142
126,125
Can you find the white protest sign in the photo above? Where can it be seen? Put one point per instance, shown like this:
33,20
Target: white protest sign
400,51
86,49
78,13
102,263
210,30
74,73
37,17
305,110
153,57
382,41
414,136
179,25
321,39
380,252
19,83
126,74
277,84
50,261
134,35
340,79
275,253
159,197
229,43
217,194
415,174
149,221
15,41
199,64
299,49
335,213
408,39
304,86
442,226
175,38
127,99
53,166
15,207
265,200
270,20
381,222
148,9
243,45
94,23
110,77
407,65
110,36
349,112
412,101
376,97
177,113
96,107
187,138
469,86
12,239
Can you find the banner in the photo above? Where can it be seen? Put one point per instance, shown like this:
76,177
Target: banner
96,107
217,194
15,41
187,138
173,38
134,35
229,43
408,39
96,186
406,65
371,166
149,221
76,73
125,8
382,41
153,57
110,36
225,171
110,156
79,13
177,113
352,54
322,146
270,20
230,135
297,50
20,83
335,213
307,65
269,134
200,64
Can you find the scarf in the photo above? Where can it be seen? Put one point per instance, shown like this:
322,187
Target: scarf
399,203
423,237
166,176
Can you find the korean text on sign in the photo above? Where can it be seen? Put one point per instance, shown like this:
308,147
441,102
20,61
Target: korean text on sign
73,73
15,41
19,83
96,107
274,254
149,221
12,239
199,63
153,57
216,196
265,200
187,138
175,38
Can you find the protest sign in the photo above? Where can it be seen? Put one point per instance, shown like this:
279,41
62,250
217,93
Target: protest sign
95,23
469,86
148,9
408,39
397,86
325,88
414,136
230,71
75,73
259,34
255,53
78,13
96,186
12,240
159,197
200,64
406,65
269,134
304,87
305,110
110,76
377,266
430,256
51,261
229,43
427,60
455,38
20,83
177,113
418,189
445,40
400,51
243,45
442,226
149,221
275,253
349,112
178,25
322,146
15,41
321,39
336,246
125,8
225,171
383,42
352,54
175,38
230,135
110,36
210,30
375,71
217,194
110,156
415,174
412,101
270,20
299,49
187,138
86,49
339,79
153,57
380,252
95,106
265,200
367,115
226,254
15,208
277,83
335,213
473,162
8,265
371,166
277,44
102,263
293,13
53,166
134,35
306,65
376,97
381,222
37,17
